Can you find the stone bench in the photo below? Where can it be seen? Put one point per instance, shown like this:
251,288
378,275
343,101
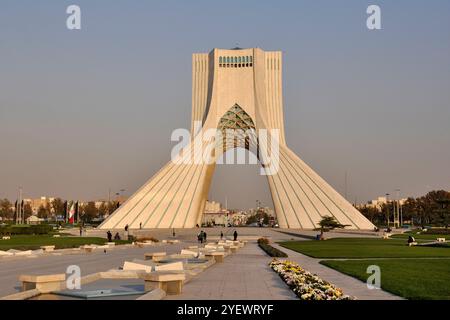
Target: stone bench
234,249
153,255
110,244
43,283
440,239
170,282
144,244
48,248
194,254
217,256
6,238
22,253
87,249
174,266
227,248
134,266
238,244
178,256
412,244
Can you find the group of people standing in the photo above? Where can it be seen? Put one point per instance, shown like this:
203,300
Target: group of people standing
201,236
109,236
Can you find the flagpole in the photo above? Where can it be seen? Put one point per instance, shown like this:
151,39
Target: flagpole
19,205
67,212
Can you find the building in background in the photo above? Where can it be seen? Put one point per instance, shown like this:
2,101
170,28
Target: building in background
35,204
215,215
33,220
379,203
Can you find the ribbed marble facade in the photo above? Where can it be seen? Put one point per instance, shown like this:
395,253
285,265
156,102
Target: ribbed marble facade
238,88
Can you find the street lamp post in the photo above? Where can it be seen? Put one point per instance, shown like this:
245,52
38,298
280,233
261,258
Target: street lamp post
398,208
387,208
19,209
117,198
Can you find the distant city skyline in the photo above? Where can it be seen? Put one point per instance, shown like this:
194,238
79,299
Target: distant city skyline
76,119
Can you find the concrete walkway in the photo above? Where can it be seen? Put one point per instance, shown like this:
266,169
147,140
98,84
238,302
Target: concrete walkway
349,285
244,275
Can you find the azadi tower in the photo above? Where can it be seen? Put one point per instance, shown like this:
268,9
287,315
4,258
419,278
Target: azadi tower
235,89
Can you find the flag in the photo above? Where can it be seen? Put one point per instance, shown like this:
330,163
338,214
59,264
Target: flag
72,214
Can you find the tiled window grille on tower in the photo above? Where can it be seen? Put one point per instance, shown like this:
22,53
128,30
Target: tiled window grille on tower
236,62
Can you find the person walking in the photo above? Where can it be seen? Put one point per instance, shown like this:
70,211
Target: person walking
140,225
81,230
126,232
204,237
221,235
109,235
235,235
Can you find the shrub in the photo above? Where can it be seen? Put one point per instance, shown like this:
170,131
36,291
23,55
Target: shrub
271,251
142,239
437,231
26,229
263,241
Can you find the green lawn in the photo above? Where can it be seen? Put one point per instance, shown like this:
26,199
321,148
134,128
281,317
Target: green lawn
27,242
409,278
364,248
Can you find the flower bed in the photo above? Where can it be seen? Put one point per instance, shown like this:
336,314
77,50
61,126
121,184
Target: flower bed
306,285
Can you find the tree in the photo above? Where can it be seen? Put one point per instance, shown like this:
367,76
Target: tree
388,210
329,223
27,211
6,211
410,210
49,209
43,212
89,211
111,207
103,210
261,216
373,214
58,207
443,213
428,206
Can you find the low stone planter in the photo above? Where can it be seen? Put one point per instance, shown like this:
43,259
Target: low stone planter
153,255
171,283
217,256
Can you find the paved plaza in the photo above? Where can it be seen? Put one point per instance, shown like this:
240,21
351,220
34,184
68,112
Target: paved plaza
244,275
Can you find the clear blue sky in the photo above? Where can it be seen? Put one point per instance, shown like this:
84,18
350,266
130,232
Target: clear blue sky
82,111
